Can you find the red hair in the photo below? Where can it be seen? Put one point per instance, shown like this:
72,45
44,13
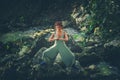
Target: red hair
58,23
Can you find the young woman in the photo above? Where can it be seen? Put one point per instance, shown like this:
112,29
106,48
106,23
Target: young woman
59,37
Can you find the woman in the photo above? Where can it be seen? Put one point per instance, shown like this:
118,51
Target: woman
59,37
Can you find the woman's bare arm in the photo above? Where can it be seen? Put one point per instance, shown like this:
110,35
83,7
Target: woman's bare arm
51,38
65,37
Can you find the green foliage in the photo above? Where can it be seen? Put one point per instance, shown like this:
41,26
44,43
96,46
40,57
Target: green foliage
104,14
7,47
98,13
104,69
80,39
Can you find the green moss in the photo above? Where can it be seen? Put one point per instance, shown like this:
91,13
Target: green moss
104,69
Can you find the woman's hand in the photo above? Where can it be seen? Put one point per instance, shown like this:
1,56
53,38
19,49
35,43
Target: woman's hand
61,39
56,38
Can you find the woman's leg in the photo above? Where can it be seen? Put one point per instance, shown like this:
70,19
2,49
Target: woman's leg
50,54
67,56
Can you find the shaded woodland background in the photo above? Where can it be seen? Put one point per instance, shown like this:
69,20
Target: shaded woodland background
94,31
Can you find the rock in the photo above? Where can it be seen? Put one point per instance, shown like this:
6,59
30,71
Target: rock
111,55
37,57
71,31
58,58
115,43
65,23
24,49
92,66
88,59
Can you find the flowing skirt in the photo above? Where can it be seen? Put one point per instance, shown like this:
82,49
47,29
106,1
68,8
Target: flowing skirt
60,47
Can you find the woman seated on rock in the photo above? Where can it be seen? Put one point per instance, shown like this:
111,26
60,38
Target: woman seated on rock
59,37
